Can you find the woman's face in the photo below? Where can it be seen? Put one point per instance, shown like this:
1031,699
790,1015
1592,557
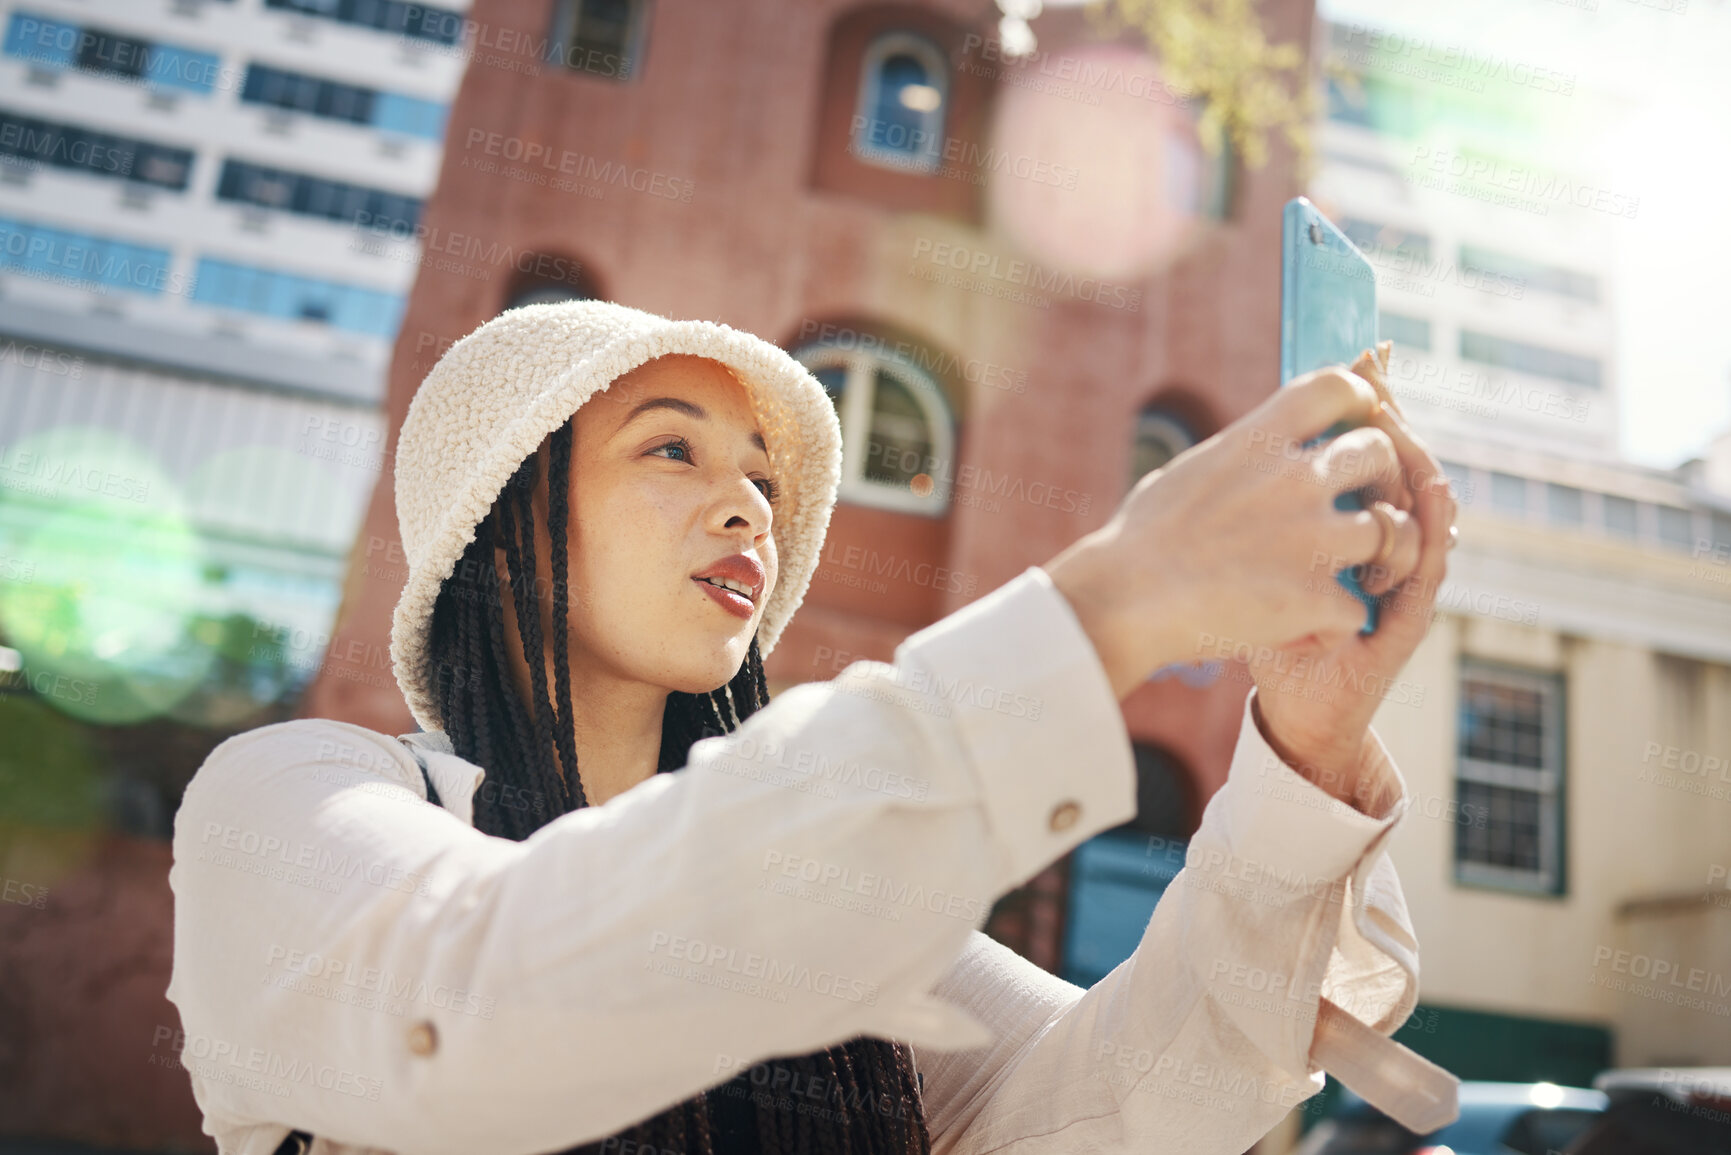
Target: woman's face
670,480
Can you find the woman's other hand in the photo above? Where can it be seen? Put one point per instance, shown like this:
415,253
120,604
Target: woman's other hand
1234,543
1316,696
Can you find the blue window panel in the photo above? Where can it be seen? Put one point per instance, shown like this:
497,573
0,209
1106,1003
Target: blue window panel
170,67
894,74
291,297
40,40
42,251
1115,883
409,115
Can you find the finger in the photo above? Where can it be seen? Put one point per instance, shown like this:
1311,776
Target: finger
1420,468
1364,457
1378,578
1308,405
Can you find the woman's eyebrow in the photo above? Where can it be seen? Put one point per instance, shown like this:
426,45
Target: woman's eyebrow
679,405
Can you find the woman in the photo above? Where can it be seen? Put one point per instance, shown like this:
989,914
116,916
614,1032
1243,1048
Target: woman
573,947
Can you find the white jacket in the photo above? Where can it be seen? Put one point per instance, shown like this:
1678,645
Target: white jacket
351,961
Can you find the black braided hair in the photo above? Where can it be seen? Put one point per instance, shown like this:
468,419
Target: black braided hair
870,1100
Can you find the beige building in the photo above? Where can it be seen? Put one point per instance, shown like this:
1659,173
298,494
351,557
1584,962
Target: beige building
1567,743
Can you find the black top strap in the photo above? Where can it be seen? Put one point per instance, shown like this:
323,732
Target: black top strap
432,791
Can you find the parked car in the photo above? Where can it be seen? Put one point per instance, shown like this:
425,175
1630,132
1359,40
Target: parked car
1683,1111
1496,1119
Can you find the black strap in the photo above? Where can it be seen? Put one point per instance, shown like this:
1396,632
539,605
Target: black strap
300,1142
432,791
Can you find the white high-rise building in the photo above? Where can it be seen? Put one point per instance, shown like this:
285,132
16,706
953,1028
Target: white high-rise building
208,215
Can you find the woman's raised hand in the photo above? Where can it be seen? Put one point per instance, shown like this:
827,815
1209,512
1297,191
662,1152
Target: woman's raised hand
1235,542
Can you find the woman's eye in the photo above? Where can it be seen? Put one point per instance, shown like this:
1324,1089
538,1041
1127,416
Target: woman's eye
680,446
769,488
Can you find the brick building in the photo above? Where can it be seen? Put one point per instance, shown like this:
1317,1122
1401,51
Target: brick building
1024,284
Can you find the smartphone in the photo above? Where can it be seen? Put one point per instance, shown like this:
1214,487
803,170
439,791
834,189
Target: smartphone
1327,317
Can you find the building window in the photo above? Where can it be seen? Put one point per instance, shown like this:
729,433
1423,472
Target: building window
1676,528
1160,436
1532,359
1545,278
1413,332
352,103
400,17
1509,493
1118,876
1509,779
1376,238
1721,541
291,297
312,196
547,279
100,154
40,251
1621,517
1564,502
898,436
1460,480
599,37
899,118
55,44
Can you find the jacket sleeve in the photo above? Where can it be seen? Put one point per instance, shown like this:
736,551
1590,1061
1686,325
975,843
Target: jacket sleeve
1199,1043
352,961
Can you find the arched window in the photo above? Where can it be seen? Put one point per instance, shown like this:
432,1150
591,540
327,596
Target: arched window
547,278
1161,435
898,435
904,90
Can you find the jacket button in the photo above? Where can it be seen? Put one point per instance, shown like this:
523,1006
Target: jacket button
423,1038
1064,814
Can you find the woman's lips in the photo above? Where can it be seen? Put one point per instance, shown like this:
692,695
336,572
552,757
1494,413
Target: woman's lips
736,604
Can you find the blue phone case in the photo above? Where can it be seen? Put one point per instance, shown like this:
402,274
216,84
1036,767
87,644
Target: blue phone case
1327,317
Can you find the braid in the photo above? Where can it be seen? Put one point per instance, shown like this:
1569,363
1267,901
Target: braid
528,751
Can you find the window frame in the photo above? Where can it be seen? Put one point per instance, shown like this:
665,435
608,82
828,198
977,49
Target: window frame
1548,781
858,393
901,41
567,18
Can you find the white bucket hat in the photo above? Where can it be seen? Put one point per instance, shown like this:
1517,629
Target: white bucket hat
496,394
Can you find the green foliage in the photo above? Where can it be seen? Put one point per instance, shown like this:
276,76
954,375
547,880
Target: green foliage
1214,51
